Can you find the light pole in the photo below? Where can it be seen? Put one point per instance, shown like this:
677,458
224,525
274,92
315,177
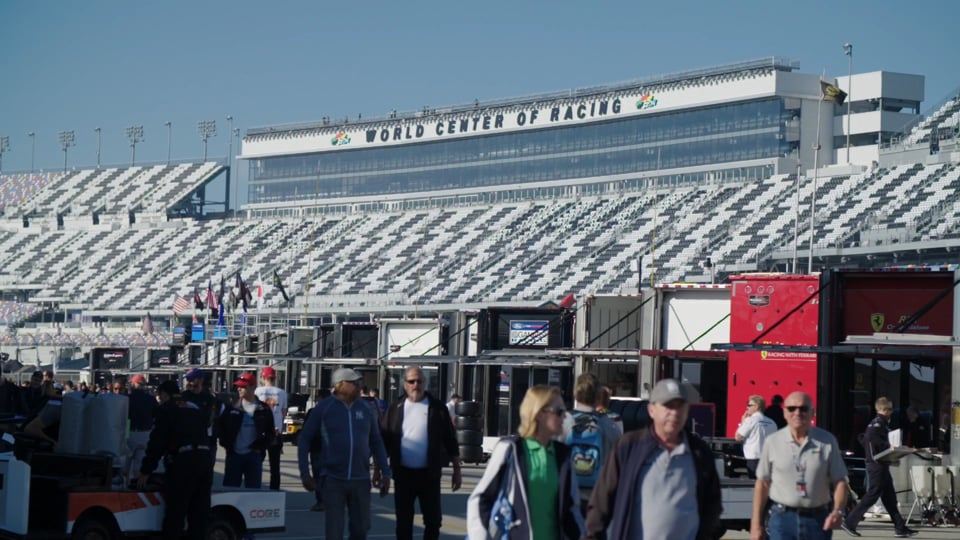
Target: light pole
4,146
236,178
169,138
207,129
848,50
97,129
66,141
134,135
33,148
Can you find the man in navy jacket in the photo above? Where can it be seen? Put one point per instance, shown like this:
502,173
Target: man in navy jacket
349,433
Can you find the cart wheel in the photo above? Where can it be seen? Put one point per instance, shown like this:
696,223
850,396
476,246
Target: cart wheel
222,528
91,529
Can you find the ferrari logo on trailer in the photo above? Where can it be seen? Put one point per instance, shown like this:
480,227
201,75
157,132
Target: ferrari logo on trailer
876,321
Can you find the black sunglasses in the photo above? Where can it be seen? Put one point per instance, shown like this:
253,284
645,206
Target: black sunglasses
414,381
559,411
794,408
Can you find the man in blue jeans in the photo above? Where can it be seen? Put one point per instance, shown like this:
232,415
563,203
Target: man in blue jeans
349,434
802,475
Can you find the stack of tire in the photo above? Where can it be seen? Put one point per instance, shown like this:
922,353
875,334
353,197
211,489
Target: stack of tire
469,424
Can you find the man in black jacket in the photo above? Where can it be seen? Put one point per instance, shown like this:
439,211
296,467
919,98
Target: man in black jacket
876,440
420,442
658,481
246,430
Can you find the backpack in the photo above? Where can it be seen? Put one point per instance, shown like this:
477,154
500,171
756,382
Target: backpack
586,448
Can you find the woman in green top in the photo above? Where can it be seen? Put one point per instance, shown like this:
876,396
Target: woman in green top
542,467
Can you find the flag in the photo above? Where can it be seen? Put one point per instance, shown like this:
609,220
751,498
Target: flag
147,325
260,299
243,292
197,301
211,298
180,304
279,285
831,93
223,289
221,319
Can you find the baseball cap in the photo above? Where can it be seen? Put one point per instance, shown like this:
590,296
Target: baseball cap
138,379
667,390
346,375
193,374
246,380
268,373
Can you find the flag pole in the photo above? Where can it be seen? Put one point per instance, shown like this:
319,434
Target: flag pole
796,218
813,194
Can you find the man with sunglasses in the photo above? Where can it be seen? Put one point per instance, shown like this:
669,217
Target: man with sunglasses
420,441
802,475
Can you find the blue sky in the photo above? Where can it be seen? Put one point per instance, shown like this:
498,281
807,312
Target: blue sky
79,65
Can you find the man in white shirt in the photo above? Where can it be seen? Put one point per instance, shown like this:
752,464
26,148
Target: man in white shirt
420,441
275,398
753,430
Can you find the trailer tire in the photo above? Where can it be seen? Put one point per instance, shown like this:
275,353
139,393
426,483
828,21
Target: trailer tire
91,528
220,527
472,423
468,408
470,438
471,454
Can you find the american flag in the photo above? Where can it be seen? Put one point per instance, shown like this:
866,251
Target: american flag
180,304
211,298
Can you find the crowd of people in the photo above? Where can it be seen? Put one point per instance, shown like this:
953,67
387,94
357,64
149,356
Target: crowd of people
566,473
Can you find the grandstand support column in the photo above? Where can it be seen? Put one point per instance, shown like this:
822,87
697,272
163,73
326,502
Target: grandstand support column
66,141
848,50
97,129
33,149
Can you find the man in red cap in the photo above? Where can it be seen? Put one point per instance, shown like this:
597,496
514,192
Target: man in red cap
140,412
275,398
246,431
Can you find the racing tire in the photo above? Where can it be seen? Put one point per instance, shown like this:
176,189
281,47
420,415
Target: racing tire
468,408
470,438
471,423
471,454
220,527
91,528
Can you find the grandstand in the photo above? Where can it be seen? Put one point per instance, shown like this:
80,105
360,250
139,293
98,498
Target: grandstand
597,203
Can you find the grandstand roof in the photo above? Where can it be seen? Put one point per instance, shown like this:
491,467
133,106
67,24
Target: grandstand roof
772,62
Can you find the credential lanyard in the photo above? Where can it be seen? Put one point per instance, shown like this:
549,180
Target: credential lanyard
801,467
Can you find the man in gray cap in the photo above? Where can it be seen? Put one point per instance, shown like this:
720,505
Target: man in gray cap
659,482
349,433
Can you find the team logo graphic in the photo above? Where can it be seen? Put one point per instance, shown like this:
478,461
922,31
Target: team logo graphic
763,355
646,101
876,321
341,139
